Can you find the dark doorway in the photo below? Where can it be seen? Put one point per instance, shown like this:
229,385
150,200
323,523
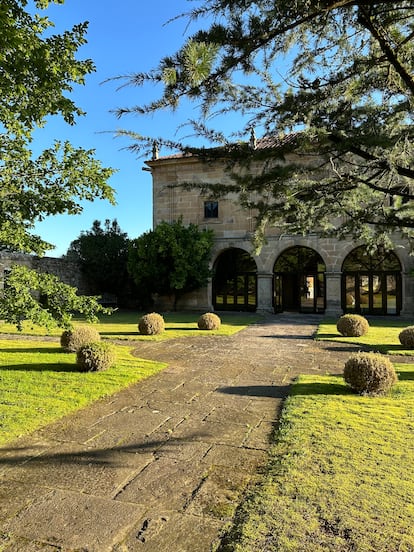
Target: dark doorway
299,281
235,281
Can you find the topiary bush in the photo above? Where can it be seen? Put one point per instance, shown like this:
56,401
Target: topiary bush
352,325
95,357
151,324
209,321
369,373
406,337
72,340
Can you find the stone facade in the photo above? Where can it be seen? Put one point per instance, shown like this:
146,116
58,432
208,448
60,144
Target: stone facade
233,227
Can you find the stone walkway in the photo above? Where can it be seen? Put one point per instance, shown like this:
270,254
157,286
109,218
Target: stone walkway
162,465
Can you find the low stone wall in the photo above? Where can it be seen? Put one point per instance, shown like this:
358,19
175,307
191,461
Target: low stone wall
67,271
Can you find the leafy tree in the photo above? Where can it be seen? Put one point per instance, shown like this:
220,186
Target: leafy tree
38,70
172,259
44,300
102,254
336,77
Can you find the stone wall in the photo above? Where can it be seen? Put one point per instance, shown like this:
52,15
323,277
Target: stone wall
67,271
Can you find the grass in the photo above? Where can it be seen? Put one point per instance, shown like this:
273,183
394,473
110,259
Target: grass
124,325
382,335
40,384
339,476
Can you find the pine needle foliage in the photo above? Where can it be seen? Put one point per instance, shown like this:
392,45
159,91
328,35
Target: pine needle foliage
338,76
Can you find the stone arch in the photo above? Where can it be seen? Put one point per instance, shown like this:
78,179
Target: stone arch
371,283
234,283
299,282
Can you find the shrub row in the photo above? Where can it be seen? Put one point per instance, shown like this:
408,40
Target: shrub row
153,323
92,355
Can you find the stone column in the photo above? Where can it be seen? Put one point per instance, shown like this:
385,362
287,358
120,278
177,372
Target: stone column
333,293
265,292
407,295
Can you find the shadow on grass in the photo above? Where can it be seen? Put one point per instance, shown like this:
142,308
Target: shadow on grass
405,376
33,350
395,350
347,348
56,367
319,388
385,349
181,329
134,334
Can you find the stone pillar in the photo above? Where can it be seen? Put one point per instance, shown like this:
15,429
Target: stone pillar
407,295
265,292
333,293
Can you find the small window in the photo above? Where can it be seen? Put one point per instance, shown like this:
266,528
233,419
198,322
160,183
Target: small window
211,209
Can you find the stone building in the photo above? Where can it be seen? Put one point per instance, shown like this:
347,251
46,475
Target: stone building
291,273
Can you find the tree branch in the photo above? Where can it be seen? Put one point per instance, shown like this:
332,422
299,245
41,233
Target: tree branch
379,34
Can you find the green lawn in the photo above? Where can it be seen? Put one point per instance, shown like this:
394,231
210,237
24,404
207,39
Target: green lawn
39,383
340,474
124,325
382,335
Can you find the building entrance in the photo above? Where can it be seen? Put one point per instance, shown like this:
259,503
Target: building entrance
299,281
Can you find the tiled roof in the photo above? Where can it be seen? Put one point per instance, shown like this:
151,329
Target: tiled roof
273,141
267,142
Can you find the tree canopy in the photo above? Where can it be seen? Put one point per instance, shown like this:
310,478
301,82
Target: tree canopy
171,260
102,254
337,76
38,70
44,300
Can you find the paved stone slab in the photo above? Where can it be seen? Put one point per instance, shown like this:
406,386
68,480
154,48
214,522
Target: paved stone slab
219,493
167,483
75,521
90,471
242,458
15,497
15,544
172,532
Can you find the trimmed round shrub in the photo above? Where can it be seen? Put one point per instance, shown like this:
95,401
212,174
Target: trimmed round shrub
72,340
151,324
95,357
352,325
369,373
209,321
406,337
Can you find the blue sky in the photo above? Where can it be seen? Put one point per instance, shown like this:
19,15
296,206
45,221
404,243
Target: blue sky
124,37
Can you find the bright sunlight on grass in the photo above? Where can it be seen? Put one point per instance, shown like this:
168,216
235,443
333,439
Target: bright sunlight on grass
341,473
382,335
39,383
124,325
